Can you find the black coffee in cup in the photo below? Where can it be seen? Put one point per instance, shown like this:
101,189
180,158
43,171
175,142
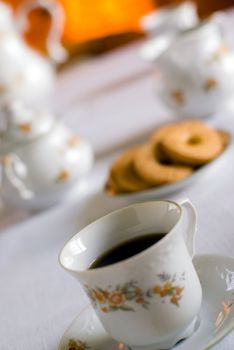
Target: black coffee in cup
126,250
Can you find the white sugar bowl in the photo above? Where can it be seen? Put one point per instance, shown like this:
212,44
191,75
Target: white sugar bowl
42,160
197,71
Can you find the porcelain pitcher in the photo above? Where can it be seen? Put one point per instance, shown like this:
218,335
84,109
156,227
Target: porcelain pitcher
24,73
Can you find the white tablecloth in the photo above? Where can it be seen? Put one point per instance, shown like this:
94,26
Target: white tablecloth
108,100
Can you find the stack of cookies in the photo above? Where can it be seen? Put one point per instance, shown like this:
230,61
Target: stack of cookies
173,152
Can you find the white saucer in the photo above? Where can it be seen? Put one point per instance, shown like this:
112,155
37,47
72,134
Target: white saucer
216,317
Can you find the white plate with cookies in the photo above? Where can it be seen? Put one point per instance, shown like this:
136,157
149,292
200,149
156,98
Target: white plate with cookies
173,157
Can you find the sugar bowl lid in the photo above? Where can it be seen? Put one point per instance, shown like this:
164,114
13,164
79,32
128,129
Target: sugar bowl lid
21,124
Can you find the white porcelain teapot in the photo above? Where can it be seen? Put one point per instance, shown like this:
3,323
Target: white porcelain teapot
197,70
24,73
42,160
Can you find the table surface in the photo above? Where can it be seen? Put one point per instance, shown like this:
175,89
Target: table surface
111,101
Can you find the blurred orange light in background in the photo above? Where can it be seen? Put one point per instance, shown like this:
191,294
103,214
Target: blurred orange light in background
87,20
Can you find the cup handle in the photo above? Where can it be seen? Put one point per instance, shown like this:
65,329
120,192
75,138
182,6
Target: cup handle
190,224
55,49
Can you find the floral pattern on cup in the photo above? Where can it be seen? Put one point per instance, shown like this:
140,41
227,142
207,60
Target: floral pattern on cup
81,345
78,345
123,297
169,290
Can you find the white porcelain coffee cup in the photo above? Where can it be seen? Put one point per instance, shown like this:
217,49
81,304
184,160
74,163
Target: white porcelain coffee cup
151,300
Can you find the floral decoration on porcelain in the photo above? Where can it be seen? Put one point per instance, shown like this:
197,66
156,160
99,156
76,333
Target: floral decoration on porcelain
178,97
63,175
226,308
210,84
25,127
78,345
6,160
2,90
126,296
73,141
220,52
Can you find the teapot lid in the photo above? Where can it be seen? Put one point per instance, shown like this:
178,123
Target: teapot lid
22,124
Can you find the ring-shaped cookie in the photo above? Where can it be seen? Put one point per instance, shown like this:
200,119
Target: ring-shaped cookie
192,143
111,187
123,177
150,168
161,132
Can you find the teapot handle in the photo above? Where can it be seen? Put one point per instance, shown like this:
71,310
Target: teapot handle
15,170
190,221
56,51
